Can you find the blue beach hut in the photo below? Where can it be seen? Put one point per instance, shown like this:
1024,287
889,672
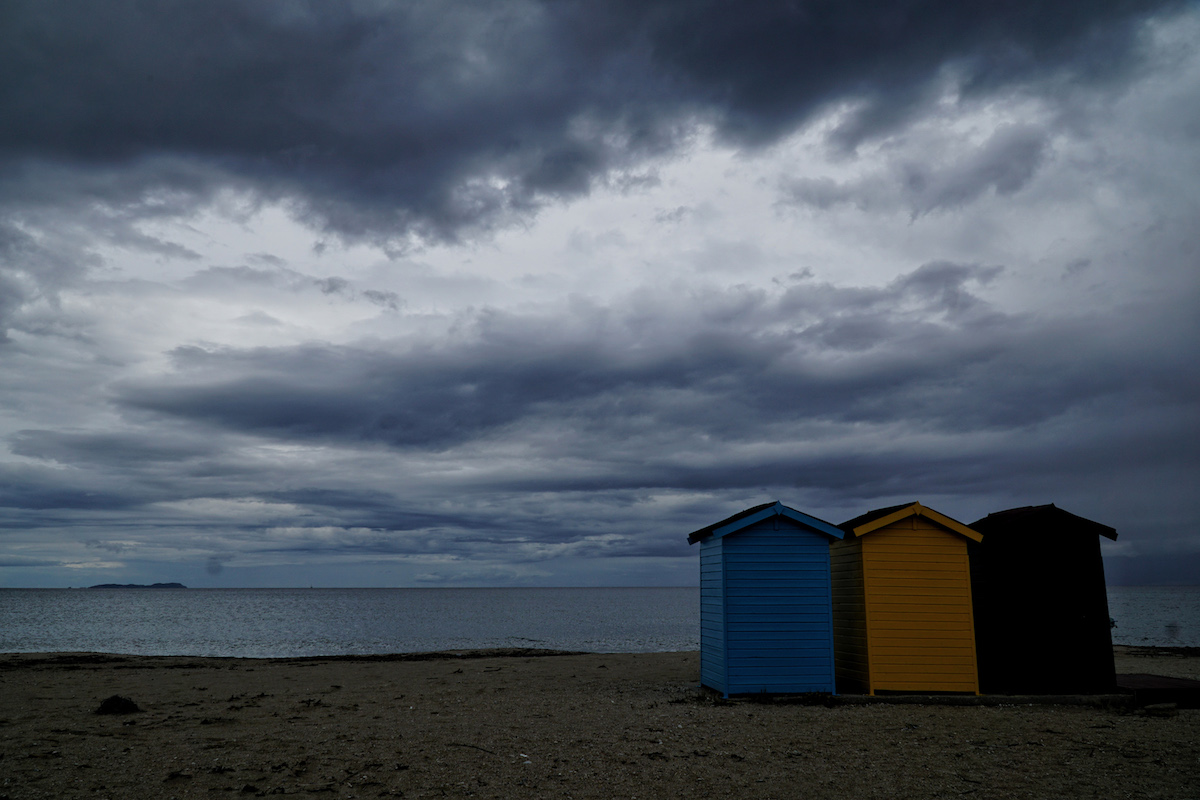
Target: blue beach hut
766,618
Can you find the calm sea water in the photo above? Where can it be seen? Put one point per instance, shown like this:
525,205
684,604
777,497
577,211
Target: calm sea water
1155,615
262,623
256,623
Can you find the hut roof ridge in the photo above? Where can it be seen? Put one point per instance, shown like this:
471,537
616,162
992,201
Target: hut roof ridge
882,517
1048,510
755,514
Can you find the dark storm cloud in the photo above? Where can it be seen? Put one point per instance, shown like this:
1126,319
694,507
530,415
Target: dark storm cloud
846,395
64,472
26,562
553,425
40,489
923,352
701,362
765,65
430,119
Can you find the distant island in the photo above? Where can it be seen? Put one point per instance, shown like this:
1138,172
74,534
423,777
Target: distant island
138,586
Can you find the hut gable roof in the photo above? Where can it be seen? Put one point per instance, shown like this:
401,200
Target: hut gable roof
882,517
1048,514
751,516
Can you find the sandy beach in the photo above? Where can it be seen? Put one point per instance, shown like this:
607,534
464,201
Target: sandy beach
526,724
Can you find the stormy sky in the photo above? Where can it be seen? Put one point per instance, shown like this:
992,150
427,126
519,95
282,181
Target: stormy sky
521,293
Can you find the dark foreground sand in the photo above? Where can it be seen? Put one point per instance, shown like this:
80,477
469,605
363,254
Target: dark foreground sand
517,725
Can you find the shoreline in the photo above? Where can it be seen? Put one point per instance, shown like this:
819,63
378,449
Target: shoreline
1171,662
495,652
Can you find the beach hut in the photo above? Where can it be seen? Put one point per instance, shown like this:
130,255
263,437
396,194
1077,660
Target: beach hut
902,602
765,618
1041,606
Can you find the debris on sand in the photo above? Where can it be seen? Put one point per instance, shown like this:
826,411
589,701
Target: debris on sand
118,705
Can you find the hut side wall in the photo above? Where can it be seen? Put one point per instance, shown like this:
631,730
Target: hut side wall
919,618
1042,620
778,620
712,615
849,615
1094,646
1094,624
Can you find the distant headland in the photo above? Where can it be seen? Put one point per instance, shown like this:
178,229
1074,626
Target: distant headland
138,586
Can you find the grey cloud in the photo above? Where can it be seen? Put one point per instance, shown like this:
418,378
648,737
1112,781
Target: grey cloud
927,177
574,430
72,476
259,318
384,299
264,93
903,313
924,349
1004,164
19,562
332,285
117,548
150,109
106,448
1076,267
387,526
228,279
33,270
768,64
826,193
235,276
13,295
942,285
674,215
125,236
40,489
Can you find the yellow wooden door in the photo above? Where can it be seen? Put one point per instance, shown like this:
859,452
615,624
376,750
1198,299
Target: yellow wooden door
918,597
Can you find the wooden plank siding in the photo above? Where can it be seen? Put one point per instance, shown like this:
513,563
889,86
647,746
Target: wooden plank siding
902,607
777,610
712,615
849,615
765,603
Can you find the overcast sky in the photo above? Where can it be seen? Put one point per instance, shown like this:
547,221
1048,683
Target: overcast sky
521,293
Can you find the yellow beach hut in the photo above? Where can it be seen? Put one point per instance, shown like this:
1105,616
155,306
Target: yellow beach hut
902,616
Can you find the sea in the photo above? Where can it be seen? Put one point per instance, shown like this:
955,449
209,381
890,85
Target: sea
287,623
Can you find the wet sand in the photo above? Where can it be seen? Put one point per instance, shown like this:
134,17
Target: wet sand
520,724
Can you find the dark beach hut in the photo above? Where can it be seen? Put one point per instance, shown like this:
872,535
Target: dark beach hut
902,602
765,618
1041,606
